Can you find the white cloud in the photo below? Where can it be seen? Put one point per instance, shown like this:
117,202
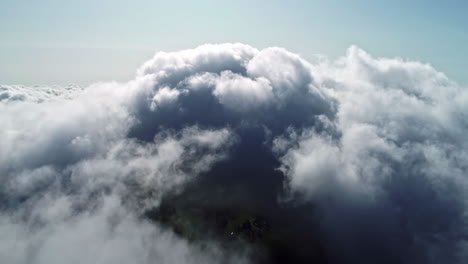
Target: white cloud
164,97
242,94
377,145
12,93
285,70
172,67
66,162
397,153
108,234
81,223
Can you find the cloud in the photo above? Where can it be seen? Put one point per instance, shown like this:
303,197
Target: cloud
164,97
108,234
365,155
396,170
38,94
89,210
240,93
75,185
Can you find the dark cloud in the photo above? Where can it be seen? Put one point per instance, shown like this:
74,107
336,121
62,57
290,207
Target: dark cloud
363,158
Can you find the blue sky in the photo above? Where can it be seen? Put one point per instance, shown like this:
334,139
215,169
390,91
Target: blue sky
61,42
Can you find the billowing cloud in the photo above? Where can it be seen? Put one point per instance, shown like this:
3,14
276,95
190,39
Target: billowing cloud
395,167
367,157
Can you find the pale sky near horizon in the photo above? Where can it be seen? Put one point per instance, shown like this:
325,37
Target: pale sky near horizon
61,42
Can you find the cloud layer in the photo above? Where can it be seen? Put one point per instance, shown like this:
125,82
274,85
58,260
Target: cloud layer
373,150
